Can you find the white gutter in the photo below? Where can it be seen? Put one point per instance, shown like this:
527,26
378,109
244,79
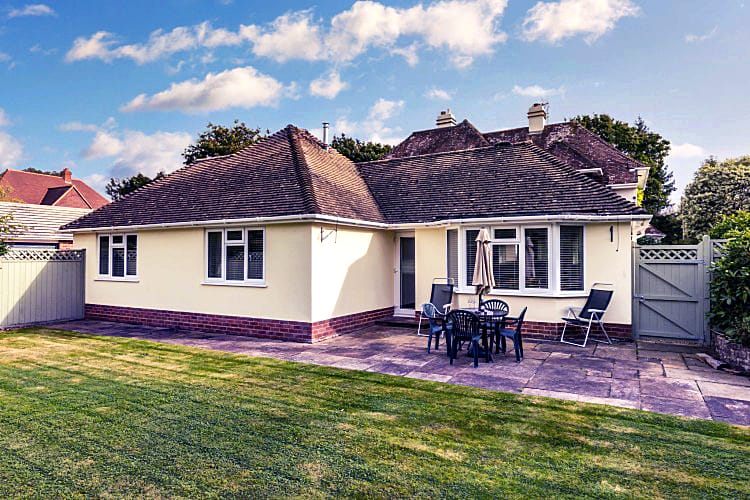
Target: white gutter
361,223
623,186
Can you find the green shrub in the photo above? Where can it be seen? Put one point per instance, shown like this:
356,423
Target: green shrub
731,225
730,289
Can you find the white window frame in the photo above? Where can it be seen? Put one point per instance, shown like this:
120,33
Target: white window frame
224,244
124,245
553,260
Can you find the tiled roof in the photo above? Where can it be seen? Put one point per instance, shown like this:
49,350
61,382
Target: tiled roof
40,223
288,173
439,140
579,147
42,189
504,180
568,141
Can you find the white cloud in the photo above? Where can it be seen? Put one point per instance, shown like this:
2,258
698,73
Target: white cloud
409,53
11,151
96,181
132,151
537,91
328,85
464,28
554,21
4,120
5,57
438,94
692,38
94,47
36,9
238,87
291,36
383,109
77,126
687,150
373,127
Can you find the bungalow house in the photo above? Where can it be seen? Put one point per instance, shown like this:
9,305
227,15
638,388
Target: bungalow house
289,239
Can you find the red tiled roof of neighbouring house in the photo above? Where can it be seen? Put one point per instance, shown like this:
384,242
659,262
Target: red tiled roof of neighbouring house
288,173
503,180
43,189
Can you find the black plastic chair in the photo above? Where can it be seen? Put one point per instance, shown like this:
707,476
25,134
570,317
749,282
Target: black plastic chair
441,296
437,325
463,326
591,313
513,333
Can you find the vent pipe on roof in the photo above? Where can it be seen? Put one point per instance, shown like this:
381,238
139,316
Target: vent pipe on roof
537,117
445,119
325,134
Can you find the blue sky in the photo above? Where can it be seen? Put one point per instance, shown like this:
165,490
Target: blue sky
115,88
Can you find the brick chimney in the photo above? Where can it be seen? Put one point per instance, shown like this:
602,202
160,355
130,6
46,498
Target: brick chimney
67,175
537,118
445,119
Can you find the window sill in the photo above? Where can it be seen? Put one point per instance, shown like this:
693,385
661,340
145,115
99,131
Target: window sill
124,280
237,284
527,293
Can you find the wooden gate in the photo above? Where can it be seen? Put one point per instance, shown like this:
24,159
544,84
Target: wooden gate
671,291
38,286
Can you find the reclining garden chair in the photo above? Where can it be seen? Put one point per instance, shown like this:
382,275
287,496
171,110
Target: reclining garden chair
591,313
441,296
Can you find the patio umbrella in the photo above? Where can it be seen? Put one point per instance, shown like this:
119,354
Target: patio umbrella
484,278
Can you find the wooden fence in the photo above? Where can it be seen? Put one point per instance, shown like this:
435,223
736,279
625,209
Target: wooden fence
38,286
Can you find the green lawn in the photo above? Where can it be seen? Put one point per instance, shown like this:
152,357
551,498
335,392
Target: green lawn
82,415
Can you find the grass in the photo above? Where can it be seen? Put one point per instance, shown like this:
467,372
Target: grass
97,416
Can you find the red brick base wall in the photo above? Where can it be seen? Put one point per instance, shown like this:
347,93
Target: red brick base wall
554,330
295,331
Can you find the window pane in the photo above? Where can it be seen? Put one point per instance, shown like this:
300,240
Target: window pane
214,255
118,262
117,240
537,269
132,248
235,263
234,235
571,258
452,254
103,254
505,266
471,254
255,254
505,234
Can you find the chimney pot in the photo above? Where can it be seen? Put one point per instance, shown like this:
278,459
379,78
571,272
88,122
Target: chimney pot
445,119
537,118
66,175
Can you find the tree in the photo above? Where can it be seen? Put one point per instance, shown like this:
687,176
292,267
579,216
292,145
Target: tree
717,189
357,150
6,228
218,140
117,188
56,173
643,145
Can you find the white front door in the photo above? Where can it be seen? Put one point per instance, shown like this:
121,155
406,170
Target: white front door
405,276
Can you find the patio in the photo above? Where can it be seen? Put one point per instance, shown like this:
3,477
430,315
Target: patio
645,375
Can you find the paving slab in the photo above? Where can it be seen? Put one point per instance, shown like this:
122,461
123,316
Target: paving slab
670,389
729,410
724,390
681,407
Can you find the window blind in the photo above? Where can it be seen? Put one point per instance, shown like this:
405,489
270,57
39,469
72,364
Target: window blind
452,254
536,249
104,255
132,254
118,262
255,254
471,254
235,262
214,254
505,266
571,258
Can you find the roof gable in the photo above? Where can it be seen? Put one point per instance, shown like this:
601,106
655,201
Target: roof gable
439,140
43,189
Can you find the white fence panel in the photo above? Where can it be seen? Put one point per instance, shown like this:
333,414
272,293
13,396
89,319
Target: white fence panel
38,286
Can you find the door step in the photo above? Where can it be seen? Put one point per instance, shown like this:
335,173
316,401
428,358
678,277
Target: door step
398,322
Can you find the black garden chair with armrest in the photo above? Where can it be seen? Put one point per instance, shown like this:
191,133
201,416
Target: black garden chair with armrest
591,313
463,326
511,329
436,328
441,296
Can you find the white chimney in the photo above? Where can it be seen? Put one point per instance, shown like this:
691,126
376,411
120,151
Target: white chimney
445,119
325,134
537,118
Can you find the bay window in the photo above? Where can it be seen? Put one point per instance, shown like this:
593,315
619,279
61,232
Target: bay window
571,258
235,256
118,256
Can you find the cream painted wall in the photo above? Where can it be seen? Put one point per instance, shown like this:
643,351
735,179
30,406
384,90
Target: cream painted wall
432,262
605,261
352,270
629,193
171,269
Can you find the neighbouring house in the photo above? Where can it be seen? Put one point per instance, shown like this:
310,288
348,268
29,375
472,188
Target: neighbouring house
289,239
51,190
40,204
38,226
